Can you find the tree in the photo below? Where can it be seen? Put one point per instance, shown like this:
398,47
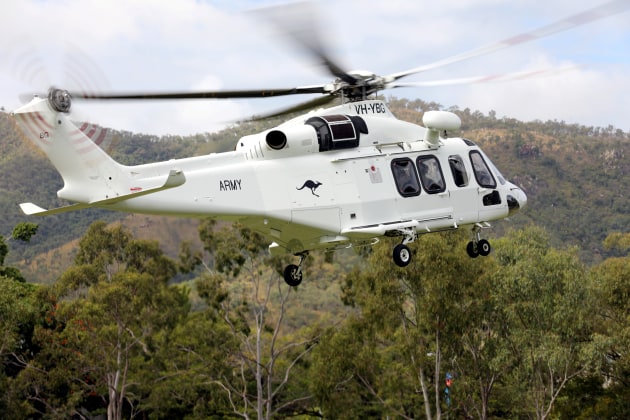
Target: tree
97,335
610,285
410,326
18,314
548,314
266,358
114,330
181,379
22,232
17,311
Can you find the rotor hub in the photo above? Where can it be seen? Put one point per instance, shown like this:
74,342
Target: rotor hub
59,99
365,84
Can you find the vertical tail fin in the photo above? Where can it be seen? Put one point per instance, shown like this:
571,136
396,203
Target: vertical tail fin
89,174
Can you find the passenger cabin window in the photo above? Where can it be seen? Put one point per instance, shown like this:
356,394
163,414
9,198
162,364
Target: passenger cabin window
482,172
458,169
431,174
406,177
336,132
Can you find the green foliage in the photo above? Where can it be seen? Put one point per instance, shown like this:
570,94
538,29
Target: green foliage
230,246
618,241
548,312
109,250
4,250
610,284
410,319
516,330
181,379
17,313
99,331
24,231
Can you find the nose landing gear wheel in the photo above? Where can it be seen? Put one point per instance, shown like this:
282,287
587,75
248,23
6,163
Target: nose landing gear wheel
484,248
481,247
471,249
478,246
402,255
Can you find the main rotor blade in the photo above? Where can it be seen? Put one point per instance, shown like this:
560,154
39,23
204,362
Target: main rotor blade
301,23
221,94
503,77
304,106
578,19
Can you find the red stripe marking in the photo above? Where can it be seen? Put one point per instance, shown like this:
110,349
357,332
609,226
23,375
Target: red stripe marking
101,137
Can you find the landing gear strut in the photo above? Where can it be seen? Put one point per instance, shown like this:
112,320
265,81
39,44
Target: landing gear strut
478,246
293,273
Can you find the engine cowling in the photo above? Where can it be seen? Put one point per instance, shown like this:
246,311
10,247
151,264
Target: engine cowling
292,140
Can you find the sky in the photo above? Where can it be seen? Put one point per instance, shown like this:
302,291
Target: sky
155,45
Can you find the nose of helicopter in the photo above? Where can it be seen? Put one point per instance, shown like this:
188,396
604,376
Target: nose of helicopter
516,199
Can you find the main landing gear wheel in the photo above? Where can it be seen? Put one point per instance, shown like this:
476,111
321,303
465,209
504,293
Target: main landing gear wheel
402,255
293,273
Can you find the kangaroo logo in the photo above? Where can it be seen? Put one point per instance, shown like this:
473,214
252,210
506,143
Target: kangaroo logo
312,185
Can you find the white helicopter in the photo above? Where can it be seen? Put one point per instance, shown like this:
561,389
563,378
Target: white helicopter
333,177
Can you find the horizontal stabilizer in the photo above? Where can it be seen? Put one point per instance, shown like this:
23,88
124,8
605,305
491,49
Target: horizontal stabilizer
174,179
31,209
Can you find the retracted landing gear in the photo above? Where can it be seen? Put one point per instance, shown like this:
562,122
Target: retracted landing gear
402,253
293,273
478,246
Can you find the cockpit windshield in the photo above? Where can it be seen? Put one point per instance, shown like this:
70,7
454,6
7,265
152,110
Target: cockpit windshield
483,175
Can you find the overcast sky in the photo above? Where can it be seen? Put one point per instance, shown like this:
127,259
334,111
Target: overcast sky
188,45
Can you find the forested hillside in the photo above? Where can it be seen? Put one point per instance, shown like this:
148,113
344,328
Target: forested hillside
172,318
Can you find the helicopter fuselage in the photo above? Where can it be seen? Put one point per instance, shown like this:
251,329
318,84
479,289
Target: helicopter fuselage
340,176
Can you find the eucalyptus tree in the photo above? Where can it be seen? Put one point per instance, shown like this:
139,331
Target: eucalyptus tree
241,284
610,285
414,327
98,327
548,312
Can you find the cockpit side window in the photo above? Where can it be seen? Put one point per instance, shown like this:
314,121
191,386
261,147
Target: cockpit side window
431,174
482,172
458,169
406,177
